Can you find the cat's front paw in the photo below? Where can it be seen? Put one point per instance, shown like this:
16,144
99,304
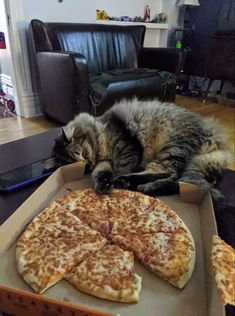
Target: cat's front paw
159,187
146,189
122,182
103,182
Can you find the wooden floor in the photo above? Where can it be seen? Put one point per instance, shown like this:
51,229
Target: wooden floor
16,127
224,114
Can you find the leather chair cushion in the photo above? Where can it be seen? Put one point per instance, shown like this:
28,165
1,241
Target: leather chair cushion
108,87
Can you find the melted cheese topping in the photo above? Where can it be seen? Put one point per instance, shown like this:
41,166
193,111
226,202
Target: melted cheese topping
223,263
108,274
47,249
91,208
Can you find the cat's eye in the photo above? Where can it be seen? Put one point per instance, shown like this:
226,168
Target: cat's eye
85,156
78,152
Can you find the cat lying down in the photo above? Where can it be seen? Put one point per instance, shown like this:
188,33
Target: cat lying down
147,146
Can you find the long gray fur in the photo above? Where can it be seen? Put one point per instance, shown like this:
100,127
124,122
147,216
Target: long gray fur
148,146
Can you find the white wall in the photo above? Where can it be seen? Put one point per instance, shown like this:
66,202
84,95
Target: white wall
6,69
169,6
85,10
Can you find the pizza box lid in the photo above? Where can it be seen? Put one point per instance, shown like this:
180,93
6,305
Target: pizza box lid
199,297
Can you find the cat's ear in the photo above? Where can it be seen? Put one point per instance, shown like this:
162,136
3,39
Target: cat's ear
68,132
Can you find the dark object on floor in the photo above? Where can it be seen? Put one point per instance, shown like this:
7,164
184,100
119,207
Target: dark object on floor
221,60
225,215
225,101
7,100
4,113
225,209
230,310
71,56
230,95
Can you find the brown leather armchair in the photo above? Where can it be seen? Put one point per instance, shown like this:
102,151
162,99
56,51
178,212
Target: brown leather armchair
87,67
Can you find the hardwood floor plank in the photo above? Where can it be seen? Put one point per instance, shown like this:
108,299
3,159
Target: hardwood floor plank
18,127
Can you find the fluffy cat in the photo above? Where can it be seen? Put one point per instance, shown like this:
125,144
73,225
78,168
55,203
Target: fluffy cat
148,146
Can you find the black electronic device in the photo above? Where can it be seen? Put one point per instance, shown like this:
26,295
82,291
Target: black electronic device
19,177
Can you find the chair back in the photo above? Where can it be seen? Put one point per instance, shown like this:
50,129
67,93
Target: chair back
106,47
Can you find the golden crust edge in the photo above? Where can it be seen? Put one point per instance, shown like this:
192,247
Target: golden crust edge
217,242
104,292
187,276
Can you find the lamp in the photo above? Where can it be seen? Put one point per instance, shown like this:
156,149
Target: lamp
188,2
183,4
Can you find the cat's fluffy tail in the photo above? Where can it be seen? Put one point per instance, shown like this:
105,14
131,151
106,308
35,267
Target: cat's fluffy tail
205,169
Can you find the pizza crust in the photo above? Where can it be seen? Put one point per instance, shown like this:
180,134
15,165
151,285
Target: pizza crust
106,292
192,259
109,274
187,276
223,263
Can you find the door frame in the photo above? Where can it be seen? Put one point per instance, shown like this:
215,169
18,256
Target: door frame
27,100
14,79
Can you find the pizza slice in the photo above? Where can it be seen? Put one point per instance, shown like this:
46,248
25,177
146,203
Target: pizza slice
125,205
147,223
223,263
143,215
91,208
170,256
130,242
109,274
51,245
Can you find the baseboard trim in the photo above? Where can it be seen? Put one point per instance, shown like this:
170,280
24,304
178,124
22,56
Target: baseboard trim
31,105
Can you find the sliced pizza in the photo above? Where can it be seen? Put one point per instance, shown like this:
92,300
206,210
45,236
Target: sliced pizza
125,205
146,223
71,230
170,256
128,241
223,263
156,236
109,274
142,215
91,208
51,245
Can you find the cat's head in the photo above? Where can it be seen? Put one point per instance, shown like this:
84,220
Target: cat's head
77,142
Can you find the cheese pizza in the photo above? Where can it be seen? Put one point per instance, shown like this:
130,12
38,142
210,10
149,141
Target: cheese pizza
52,244
71,238
223,263
170,256
109,274
91,208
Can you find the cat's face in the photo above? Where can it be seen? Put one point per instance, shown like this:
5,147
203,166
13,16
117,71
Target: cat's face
76,146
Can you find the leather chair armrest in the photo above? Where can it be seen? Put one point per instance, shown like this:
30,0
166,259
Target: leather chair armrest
167,59
63,84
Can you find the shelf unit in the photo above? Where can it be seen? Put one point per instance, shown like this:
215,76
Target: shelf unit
156,33
159,26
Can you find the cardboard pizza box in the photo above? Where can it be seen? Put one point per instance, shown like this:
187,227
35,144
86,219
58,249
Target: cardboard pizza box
157,297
